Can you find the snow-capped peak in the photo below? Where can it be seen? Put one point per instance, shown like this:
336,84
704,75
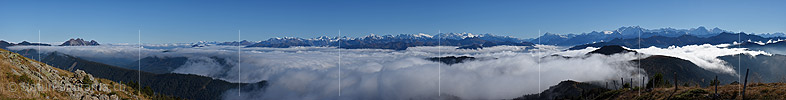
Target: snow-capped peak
423,35
372,36
608,32
412,36
457,35
466,35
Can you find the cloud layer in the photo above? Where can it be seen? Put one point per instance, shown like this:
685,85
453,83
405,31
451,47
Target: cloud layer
705,56
313,72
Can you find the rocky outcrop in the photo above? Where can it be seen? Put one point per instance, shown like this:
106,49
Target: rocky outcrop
23,78
79,42
450,60
610,49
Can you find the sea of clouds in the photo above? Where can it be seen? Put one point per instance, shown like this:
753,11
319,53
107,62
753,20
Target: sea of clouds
384,74
504,72
705,56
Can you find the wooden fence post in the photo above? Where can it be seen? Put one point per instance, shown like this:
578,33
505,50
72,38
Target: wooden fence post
622,83
676,87
716,85
745,84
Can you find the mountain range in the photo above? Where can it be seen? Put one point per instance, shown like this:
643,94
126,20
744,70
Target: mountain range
4,44
770,35
625,36
70,42
622,33
664,41
398,42
595,39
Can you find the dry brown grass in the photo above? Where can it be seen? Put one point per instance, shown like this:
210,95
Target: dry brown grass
10,86
757,91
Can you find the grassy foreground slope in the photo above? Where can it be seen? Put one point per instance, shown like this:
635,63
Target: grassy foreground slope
754,91
571,90
186,86
24,78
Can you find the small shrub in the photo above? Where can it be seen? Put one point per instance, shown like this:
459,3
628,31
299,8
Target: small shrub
42,94
86,82
657,81
20,79
626,85
734,83
714,82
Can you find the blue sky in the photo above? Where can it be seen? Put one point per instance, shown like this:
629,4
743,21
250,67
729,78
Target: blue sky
177,21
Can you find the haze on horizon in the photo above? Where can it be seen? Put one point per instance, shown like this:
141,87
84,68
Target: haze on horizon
182,22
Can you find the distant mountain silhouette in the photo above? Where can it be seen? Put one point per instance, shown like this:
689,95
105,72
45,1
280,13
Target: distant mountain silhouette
241,43
79,42
398,42
25,43
4,44
404,44
630,32
663,42
621,36
771,35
